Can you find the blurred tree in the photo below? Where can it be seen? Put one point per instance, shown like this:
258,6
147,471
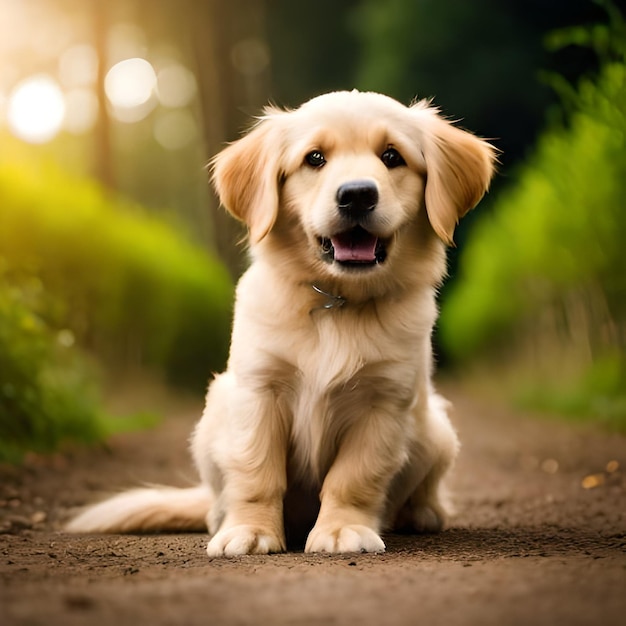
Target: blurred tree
232,65
314,48
102,134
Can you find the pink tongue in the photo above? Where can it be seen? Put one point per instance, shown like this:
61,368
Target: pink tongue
356,246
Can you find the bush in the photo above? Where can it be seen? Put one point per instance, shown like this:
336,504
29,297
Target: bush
46,396
90,283
544,273
131,290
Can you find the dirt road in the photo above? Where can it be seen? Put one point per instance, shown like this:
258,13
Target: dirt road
540,538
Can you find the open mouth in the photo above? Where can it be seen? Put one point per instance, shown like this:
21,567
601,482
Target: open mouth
354,248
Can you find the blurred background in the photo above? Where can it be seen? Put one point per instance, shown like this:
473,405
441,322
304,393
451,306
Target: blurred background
116,263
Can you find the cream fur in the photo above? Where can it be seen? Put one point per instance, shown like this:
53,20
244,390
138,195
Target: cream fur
338,403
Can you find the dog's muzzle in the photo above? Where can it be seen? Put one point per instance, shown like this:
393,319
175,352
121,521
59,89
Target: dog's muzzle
356,246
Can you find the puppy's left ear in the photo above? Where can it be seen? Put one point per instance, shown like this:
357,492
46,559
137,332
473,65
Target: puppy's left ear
459,167
246,177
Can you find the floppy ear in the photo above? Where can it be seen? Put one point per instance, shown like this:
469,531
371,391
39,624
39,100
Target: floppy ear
459,167
246,176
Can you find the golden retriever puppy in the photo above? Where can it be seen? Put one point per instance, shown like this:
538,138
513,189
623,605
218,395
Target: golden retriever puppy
326,416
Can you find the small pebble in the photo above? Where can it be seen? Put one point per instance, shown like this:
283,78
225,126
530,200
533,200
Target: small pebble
38,517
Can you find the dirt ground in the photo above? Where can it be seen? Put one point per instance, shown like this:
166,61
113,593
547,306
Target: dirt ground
540,537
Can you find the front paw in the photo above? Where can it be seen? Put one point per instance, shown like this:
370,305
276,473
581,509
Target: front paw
349,538
244,539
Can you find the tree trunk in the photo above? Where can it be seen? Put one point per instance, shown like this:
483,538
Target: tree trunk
228,96
102,134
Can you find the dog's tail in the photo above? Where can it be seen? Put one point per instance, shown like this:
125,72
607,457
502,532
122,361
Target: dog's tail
148,509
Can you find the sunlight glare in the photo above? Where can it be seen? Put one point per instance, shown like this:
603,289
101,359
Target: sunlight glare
36,109
130,83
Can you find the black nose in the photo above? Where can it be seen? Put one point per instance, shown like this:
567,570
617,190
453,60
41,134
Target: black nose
357,197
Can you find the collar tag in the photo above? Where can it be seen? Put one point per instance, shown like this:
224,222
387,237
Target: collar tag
333,301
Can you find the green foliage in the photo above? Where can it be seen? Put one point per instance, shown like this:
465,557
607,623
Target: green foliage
83,274
544,274
130,289
433,48
46,397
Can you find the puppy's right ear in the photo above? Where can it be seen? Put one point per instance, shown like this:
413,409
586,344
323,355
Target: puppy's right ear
246,177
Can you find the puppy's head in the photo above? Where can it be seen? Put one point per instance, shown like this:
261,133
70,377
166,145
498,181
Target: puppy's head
352,184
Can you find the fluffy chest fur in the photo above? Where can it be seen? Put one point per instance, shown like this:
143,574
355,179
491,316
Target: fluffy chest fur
329,369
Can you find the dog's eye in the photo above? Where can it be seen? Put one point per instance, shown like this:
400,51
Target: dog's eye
315,158
392,158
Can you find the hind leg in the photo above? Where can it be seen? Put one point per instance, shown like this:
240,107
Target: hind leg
422,503
429,507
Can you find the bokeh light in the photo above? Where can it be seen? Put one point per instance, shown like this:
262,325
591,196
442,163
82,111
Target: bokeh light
36,109
130,87
130,83
176,129
176,85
